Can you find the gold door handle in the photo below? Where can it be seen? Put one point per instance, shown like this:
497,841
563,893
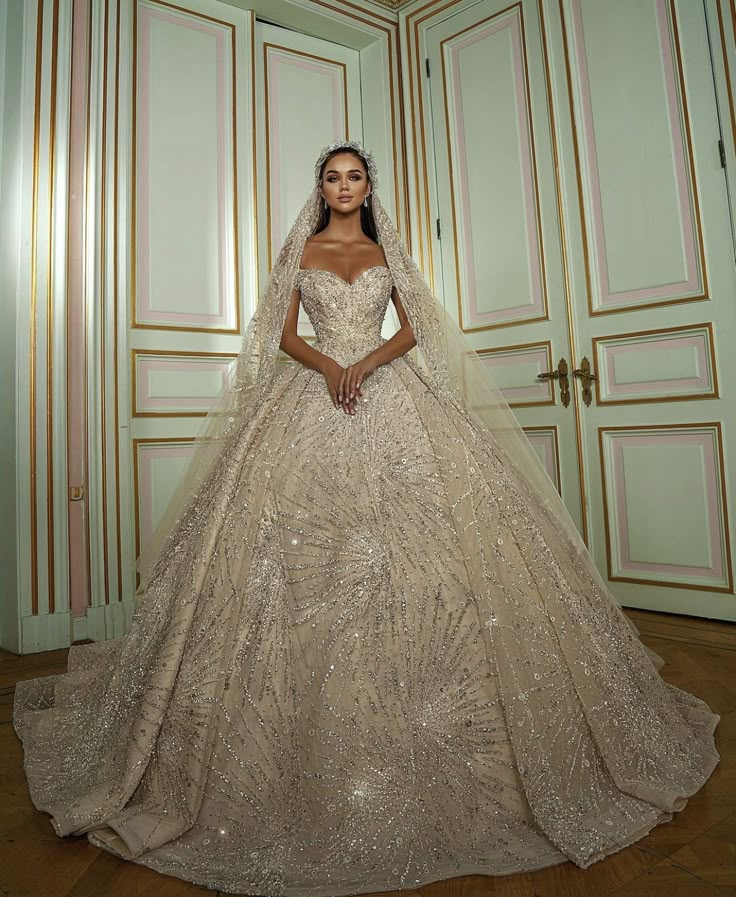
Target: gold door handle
560,374
587,377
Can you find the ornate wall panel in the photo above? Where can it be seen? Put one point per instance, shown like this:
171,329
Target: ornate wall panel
636,157
515,370
546,445
168,383
491,151
186,259
665,504
656,365
157,464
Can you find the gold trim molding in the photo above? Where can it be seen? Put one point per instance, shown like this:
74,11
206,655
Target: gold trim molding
393,4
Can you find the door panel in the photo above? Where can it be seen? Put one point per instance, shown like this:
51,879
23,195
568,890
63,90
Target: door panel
500,246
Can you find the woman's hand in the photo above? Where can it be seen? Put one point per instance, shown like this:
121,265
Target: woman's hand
344,383
333,374
352,377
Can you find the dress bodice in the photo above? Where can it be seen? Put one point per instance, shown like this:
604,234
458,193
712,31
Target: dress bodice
346,317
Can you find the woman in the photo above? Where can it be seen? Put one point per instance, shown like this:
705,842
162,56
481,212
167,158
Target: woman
345,186
371,650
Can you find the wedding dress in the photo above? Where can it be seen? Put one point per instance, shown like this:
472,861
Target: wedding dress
373,662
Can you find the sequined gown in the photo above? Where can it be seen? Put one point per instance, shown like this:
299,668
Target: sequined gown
369,662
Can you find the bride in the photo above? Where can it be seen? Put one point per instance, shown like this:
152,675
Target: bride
370,649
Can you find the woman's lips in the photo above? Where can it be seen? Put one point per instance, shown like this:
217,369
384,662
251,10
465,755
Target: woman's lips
344,198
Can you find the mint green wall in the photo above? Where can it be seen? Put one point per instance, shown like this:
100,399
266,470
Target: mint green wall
11,48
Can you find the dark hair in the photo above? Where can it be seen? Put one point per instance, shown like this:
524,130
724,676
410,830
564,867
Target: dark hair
367,221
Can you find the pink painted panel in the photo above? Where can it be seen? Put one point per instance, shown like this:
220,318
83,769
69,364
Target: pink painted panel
151,364
696,341
535,390
147,455
532,306
706,440
146,311
664,291
545,439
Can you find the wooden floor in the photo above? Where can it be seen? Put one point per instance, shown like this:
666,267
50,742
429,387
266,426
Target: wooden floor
694,855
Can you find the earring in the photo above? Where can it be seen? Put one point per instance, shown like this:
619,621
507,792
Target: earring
325,203
365,200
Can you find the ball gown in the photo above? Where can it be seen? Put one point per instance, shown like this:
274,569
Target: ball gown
369,662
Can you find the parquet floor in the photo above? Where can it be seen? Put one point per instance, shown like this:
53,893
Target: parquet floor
694,855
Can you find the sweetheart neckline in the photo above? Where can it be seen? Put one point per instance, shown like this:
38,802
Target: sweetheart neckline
342,279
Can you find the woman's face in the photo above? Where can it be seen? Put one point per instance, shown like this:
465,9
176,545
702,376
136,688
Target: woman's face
344,175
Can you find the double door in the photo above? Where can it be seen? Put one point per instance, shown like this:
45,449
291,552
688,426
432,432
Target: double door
582,237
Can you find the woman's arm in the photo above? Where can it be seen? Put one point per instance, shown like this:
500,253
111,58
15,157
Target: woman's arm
399,344
300,350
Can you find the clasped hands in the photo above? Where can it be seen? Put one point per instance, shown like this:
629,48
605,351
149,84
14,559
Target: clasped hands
344,383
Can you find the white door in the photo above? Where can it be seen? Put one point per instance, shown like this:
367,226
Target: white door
498,237
584,215
655,307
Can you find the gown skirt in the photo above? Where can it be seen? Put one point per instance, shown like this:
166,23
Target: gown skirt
369,660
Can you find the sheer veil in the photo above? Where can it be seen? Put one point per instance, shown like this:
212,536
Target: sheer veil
446,362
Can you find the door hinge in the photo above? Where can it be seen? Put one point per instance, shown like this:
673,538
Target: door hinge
439,234
722,153
426,65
